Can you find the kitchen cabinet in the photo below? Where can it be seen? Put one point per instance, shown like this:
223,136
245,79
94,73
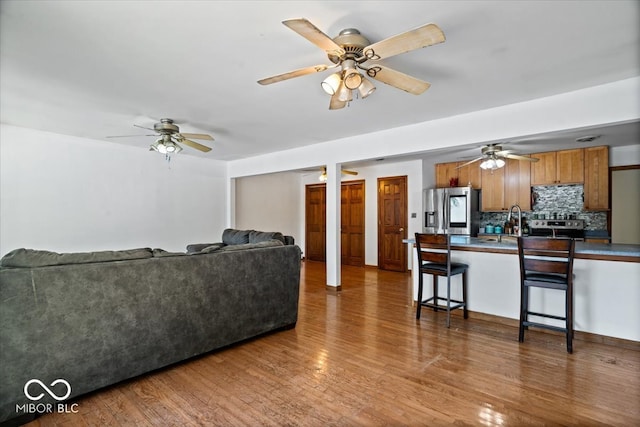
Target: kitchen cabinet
507,186
558,167
517,184
470,175
493,190
444,172
466,175
596,178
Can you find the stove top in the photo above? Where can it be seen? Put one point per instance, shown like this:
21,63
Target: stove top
558,224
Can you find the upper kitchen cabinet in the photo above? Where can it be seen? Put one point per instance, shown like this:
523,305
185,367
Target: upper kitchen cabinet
444,173
558,167
517,184
596,178
468,175
507,186
493,190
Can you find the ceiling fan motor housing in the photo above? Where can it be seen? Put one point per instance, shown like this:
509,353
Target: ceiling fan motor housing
352,42
166,127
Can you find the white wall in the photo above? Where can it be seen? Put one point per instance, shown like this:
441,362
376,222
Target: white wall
624,156
62,193
270,202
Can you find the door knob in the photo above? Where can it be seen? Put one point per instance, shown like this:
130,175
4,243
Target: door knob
401,229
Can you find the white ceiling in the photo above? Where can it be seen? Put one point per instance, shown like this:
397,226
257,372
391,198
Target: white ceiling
95,68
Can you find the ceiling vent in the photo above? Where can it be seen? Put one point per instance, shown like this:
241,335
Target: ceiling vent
587,138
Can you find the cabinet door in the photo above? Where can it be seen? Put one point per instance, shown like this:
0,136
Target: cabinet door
543,172
596,178
470,175
517,184
444,172
570,166
493,190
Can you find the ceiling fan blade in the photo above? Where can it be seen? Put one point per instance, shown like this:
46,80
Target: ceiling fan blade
129,136
398,79
295,73
468,163
426,35
197,136
335,103
142,127
193,144
312,33
346,172
516,157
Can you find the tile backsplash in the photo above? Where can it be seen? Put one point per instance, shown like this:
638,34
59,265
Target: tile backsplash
563,199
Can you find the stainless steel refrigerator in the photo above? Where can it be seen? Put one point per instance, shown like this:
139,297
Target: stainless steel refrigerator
454,210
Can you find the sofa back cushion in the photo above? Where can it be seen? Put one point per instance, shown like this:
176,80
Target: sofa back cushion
264,236
36,258
231,236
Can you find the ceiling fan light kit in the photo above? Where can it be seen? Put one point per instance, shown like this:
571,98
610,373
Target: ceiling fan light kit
493,157
351,50
170,138
492,163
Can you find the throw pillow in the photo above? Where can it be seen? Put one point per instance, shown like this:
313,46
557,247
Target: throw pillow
197,247
232,236
264,244
263,236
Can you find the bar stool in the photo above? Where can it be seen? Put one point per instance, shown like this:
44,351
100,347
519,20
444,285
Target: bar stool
434,258
546,263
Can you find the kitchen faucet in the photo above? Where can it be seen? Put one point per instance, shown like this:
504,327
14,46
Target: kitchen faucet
519,211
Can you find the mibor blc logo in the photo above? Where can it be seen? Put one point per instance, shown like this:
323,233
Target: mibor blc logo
31,389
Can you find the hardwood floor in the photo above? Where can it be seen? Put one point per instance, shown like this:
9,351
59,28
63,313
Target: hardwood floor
359,357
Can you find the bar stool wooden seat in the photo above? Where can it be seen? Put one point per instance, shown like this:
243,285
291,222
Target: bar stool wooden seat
546,263
434,258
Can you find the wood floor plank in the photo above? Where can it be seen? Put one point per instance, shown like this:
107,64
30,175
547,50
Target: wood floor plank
360,358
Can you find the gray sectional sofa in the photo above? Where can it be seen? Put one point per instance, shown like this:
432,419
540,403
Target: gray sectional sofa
94,319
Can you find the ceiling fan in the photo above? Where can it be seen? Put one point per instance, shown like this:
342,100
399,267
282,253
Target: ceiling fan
170,137
351,51
323,175
493,157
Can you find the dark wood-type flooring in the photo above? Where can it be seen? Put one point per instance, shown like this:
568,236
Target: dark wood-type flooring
359,357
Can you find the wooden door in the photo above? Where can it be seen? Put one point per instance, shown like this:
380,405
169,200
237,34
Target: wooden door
392,223
316,222
352,223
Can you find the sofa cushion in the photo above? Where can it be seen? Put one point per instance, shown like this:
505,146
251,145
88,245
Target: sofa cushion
36,258
263,244
211,248
231,236
160,253
263,236
197,247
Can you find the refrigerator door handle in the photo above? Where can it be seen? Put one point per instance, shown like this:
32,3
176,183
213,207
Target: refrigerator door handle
445,221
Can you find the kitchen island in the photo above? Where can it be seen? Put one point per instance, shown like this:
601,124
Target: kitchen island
606,284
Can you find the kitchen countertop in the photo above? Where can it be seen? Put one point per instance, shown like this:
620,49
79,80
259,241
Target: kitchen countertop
509,245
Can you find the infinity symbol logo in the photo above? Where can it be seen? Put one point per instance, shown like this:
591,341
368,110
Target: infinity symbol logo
51,393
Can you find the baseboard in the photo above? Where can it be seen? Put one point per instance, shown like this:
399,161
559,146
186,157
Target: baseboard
333,289
578,335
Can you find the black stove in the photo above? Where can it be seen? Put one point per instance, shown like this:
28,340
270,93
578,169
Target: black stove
573,228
